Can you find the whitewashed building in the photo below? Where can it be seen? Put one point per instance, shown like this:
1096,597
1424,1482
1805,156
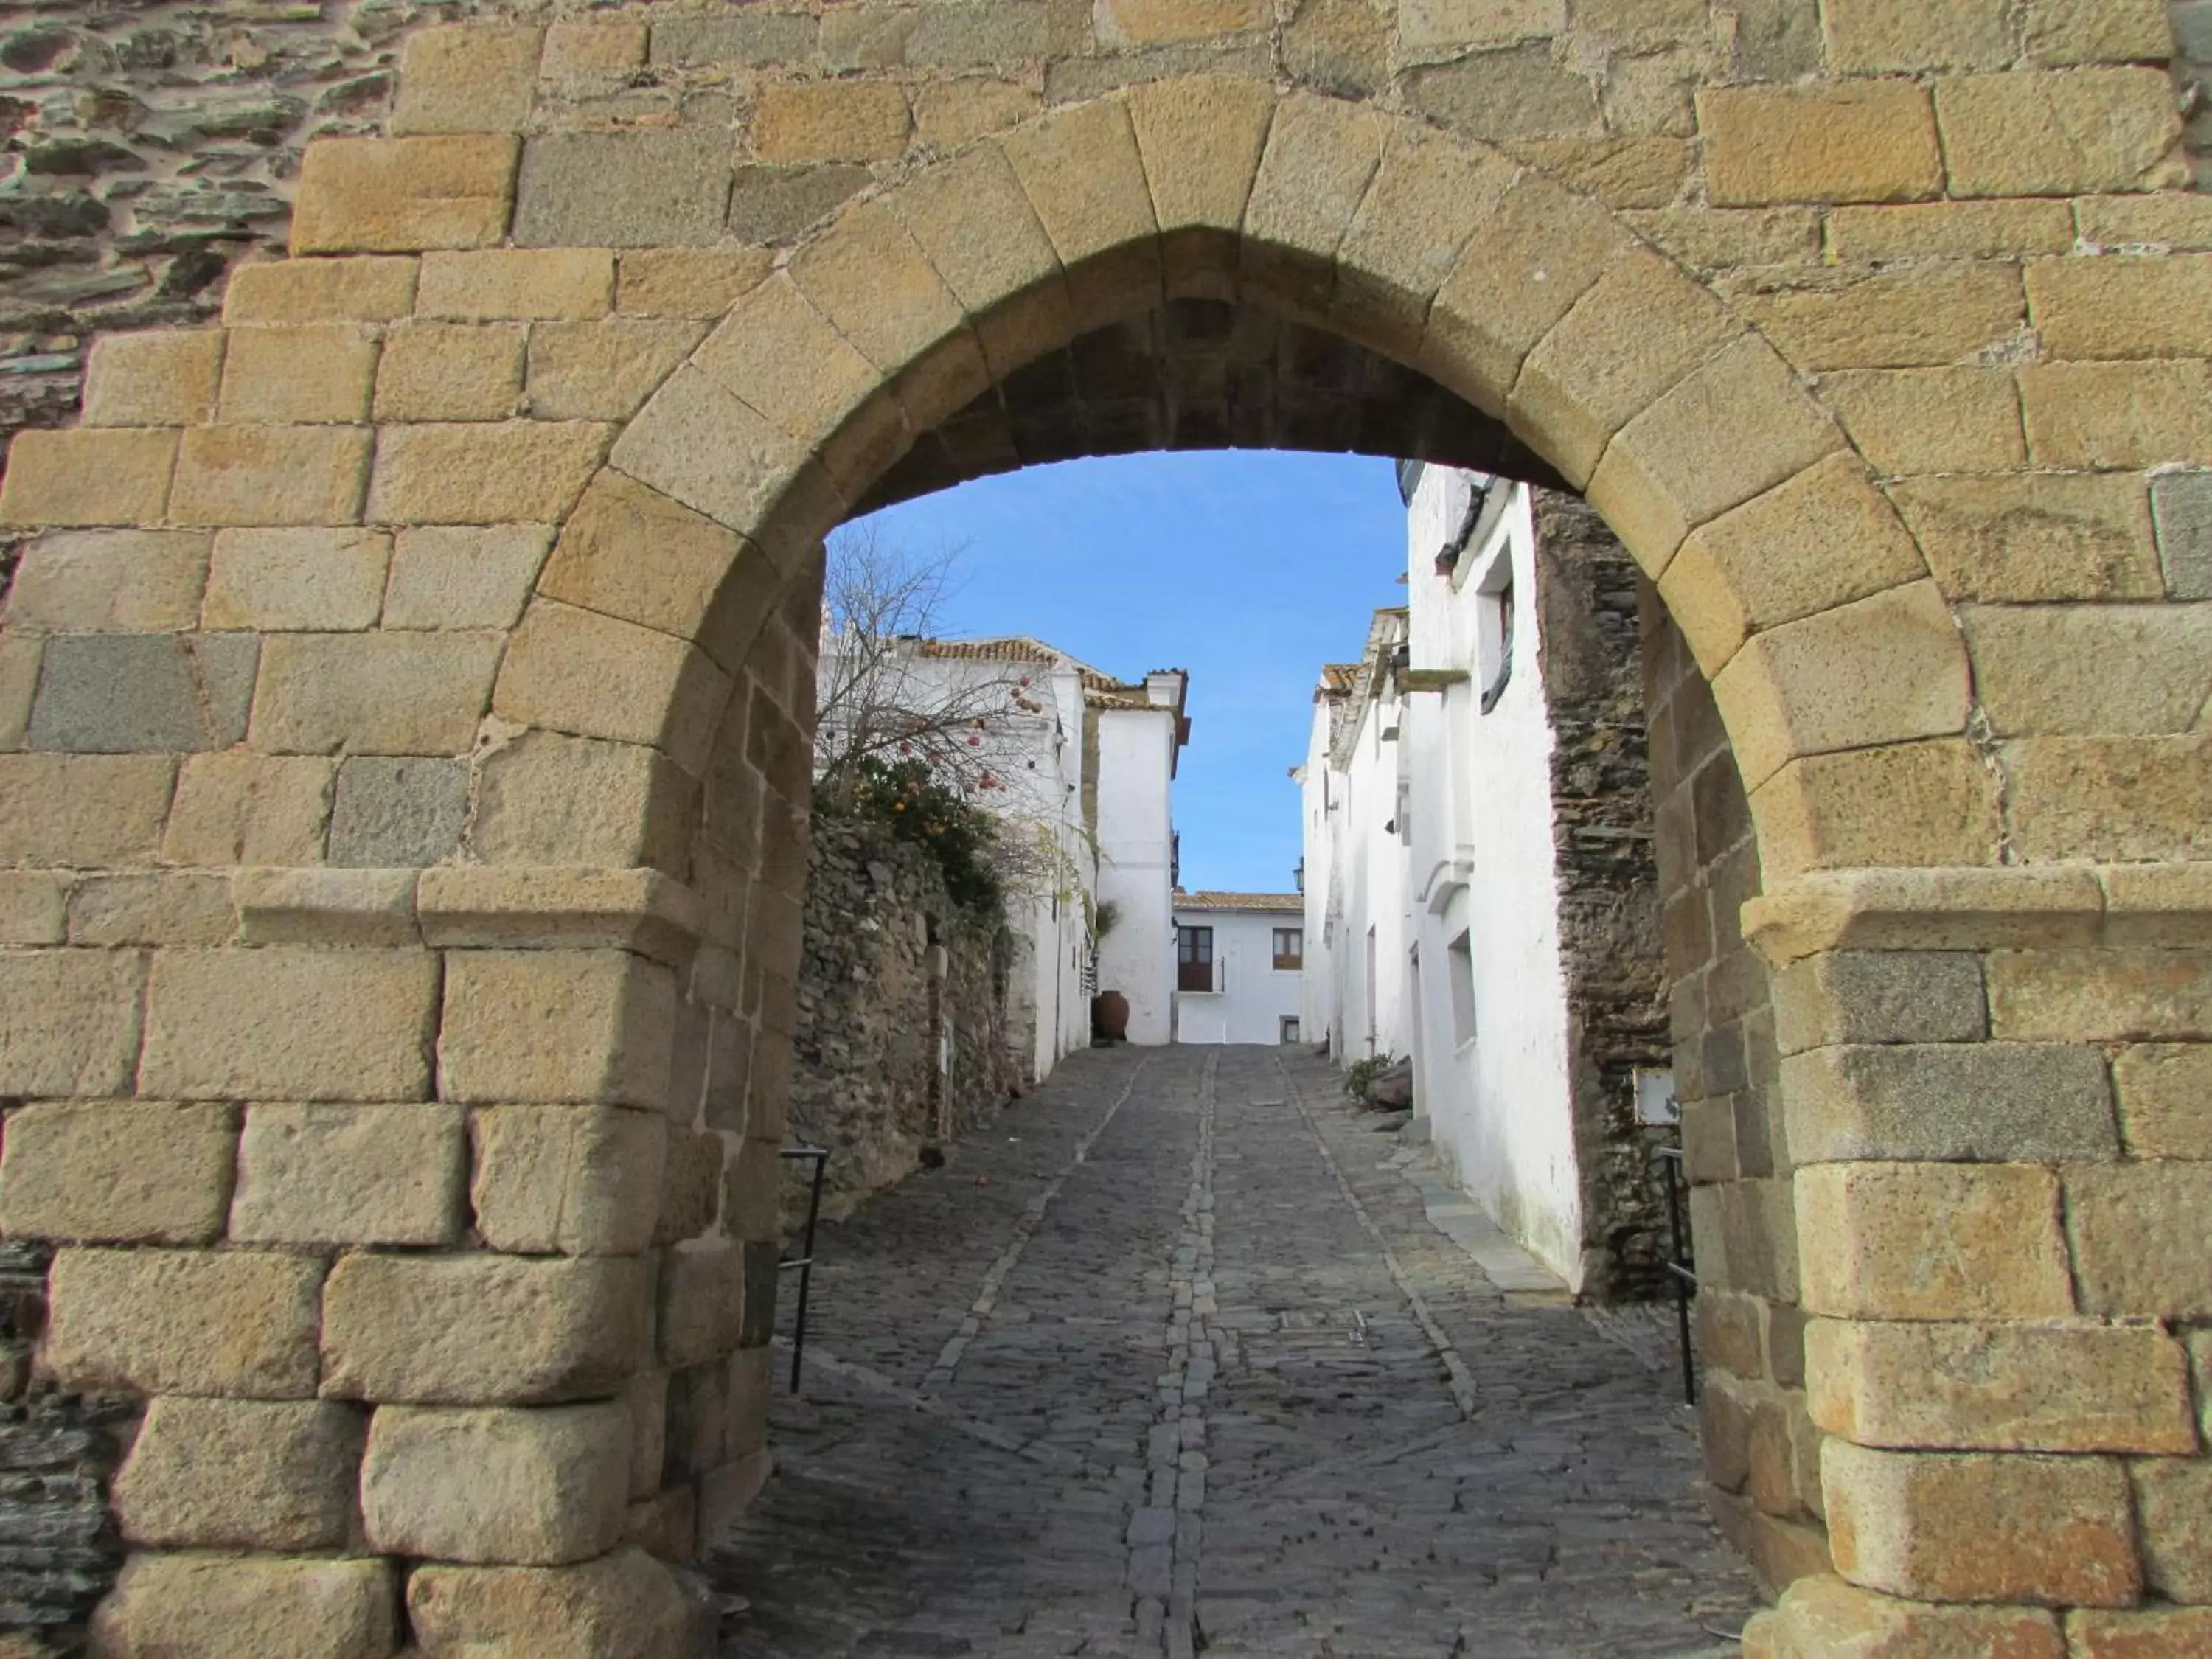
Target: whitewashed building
1078,767
1240,960
1478,866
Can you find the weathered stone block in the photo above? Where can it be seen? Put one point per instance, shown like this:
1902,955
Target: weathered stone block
483,1329
2001,1388
1821,539
2056,995
2097,30
325,906
128,693
1871,141
1981,1527
696,1437
243,808
302,374
1880,996
622,189
350,1175
463,577
691,1186
451,371
88,477
1506,92
1638,331
270,475
702,1293
1957,230
774,205
1909,317
491,284
1874,36
2033,539
469,78
82,810
278,579
157,377
2058,132
2136,307
320,291
623,1606
275,1475
2137,1232
100,581
395,812
578,1180
405,693
1884,669
34,906
2090,668
541,1487
140,1320
2157,1632
557,1025
1971,1101
1932,1241
2109,415
2173,1500
2181,505
630,552
2165,1092
1838,811
682,282
831,121
249,1608
68,1021
593,48
2113,798
289,1025
546,799
403,195
949,113
127,1172
575,669
1930,420
485,473
1670,469
603,371
1822,1613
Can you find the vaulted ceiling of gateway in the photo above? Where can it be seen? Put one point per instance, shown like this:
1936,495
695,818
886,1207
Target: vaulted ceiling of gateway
1207,375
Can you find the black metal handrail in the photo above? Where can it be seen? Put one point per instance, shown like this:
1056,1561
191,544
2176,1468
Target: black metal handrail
1678,1268
804,1260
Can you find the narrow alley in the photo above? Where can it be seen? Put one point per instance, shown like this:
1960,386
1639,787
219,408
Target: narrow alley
1169,1357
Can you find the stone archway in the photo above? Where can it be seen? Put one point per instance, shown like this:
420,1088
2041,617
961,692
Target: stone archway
2001,1267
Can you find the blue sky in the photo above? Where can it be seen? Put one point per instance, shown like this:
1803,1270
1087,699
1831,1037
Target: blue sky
1249,569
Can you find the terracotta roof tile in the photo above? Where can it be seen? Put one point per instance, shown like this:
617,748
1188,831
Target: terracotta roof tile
1208,899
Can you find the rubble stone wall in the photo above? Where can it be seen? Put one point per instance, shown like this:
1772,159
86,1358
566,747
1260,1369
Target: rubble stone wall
866,1080
1587,588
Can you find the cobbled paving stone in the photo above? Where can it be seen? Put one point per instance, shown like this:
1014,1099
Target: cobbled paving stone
1168,1359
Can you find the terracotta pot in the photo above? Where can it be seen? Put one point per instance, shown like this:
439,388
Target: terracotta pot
1110,1016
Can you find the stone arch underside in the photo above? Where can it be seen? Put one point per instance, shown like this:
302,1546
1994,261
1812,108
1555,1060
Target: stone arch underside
1985,931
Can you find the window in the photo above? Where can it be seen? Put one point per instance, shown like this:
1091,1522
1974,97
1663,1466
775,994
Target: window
1460,954
1288,1028
1493,643
1290,948
1194,959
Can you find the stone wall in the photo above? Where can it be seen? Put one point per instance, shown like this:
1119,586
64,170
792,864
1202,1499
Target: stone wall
888,957
1588,630
1762,1452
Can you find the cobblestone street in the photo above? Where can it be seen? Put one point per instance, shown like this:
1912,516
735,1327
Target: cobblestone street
1170,1358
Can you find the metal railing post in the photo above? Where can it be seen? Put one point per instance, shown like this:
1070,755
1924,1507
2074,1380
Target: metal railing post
804,1260
1678,1268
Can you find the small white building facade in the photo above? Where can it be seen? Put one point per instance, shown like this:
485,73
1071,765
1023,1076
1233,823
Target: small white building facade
1134,736
1479,859
1240,960
1071,761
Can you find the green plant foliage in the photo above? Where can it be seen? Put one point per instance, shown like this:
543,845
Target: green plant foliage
1359,1077
918,806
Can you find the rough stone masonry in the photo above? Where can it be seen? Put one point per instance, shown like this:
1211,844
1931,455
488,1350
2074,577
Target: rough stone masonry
405,692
